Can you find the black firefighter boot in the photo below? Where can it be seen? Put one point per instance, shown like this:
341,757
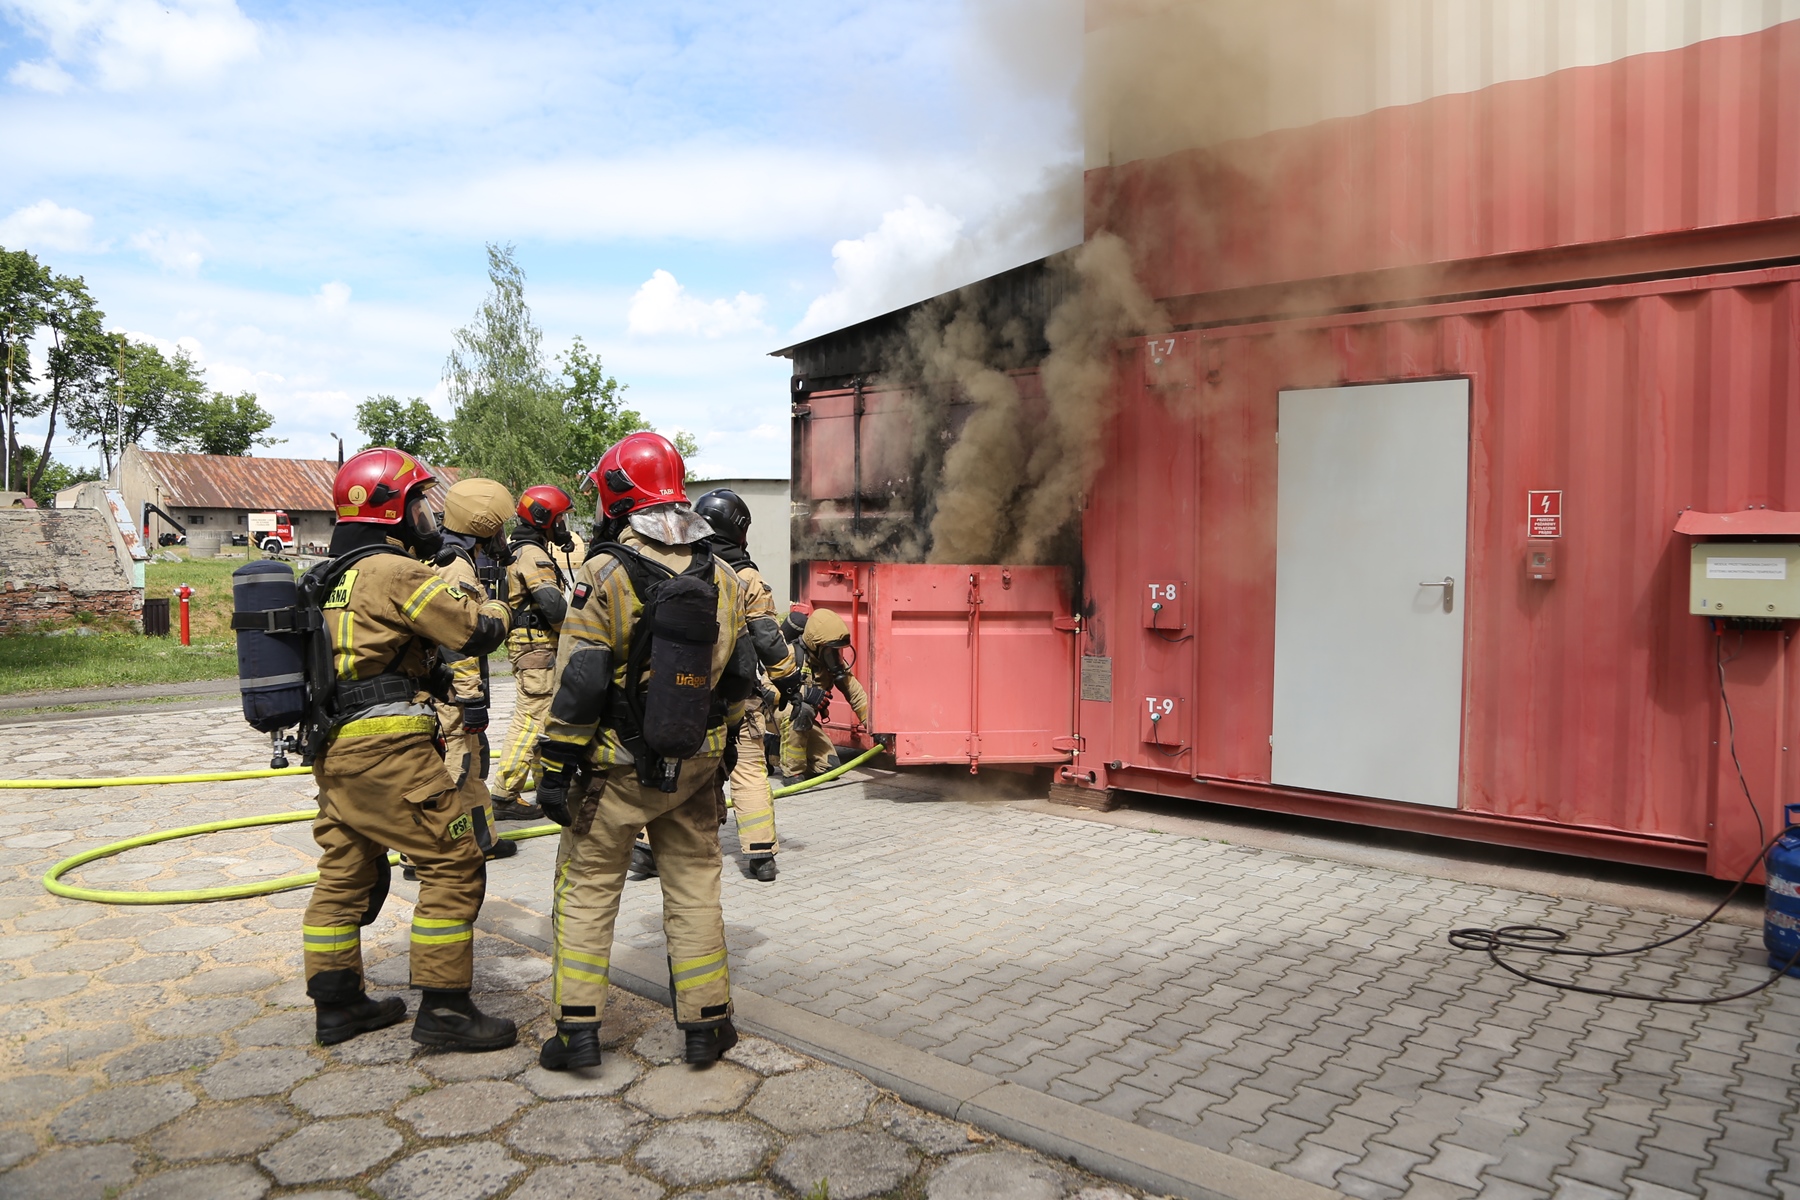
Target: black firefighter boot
451,1020
571,1047
762,868
341,1009
507,808
706,1046
643,863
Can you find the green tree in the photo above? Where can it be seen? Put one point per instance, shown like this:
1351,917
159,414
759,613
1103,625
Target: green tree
511,419
79,363
48,476
149,393
592,404
219,424
506,421
411,427
25,286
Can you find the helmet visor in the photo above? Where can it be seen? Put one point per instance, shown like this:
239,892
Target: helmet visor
421,522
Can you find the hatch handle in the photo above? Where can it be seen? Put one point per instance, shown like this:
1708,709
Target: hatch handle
1449,586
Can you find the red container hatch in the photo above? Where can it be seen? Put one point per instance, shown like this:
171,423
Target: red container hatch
963,664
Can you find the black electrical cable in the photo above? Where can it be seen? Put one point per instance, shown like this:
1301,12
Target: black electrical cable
1762,831
1544,939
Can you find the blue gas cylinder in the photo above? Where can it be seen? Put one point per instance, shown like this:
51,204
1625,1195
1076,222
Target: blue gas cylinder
1781,911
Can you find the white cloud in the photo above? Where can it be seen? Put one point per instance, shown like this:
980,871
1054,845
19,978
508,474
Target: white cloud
43,76
172,251
47,225
922,249
333,297
663,306
133,42
905,258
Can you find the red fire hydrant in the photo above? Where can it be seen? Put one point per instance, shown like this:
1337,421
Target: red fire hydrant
184,592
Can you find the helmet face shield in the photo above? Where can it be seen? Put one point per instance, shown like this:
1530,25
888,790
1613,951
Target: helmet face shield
421,523
839,657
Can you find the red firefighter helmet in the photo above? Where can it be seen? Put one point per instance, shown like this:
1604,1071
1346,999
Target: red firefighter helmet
541,507
643,470
372,488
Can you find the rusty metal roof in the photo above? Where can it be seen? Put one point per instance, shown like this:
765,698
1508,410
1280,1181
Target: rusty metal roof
259,484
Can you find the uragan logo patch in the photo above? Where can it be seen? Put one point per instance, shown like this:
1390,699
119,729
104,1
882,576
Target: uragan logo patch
459,828
582,592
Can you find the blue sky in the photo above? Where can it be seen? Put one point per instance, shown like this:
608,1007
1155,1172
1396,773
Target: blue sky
300,194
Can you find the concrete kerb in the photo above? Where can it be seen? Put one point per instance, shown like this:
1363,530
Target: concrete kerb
1094,1141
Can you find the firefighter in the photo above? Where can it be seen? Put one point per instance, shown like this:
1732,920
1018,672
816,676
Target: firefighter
475,513
635,737
535,587
825,655
729,517
381,781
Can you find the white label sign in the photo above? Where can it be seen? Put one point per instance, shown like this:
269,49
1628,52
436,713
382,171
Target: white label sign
1746,568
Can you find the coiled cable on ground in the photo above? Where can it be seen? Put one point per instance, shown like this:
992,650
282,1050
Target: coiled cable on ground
55,886
1544,939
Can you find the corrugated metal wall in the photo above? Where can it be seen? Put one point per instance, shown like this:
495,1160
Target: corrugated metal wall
1169,75
1692,138
1590,701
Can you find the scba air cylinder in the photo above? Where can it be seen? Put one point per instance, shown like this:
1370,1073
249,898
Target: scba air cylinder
271,664
1781,912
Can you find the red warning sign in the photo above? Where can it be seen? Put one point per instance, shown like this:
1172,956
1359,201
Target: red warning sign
1543,515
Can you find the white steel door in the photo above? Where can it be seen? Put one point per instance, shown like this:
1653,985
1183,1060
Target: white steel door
1370,542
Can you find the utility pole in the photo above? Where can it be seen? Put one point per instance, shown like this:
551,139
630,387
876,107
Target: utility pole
340,442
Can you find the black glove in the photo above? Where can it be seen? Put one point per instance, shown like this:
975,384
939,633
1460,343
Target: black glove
731,748
438,680
804,715
475,718
560,760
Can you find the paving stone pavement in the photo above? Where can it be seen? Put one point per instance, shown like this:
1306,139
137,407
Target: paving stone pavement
165,1053
1293,1011
1296,1012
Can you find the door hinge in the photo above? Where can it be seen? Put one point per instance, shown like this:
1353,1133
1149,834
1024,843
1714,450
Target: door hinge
1074,743
1066,624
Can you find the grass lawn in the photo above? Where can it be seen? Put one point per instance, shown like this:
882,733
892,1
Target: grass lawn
104,655
35,662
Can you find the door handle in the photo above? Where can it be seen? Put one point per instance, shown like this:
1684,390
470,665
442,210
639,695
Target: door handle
1449,586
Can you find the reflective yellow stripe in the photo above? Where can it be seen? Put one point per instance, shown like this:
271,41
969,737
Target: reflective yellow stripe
370,726
756,821
557,929
568,972
683,985
346,645
692,972
330,937
436,931
415,604
515,764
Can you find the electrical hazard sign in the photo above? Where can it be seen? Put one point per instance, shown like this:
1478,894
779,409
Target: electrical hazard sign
1544,515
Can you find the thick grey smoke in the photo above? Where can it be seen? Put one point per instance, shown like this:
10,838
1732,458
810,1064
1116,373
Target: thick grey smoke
1006,482
1107,303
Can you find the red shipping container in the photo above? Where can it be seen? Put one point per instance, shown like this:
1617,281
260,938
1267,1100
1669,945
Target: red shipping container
1591,705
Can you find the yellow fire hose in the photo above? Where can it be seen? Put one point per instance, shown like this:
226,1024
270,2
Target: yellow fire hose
53,877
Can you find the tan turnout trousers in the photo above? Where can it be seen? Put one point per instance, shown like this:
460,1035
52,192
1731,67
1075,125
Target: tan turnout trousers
376,795
809,752
750,797
590,875
519,763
